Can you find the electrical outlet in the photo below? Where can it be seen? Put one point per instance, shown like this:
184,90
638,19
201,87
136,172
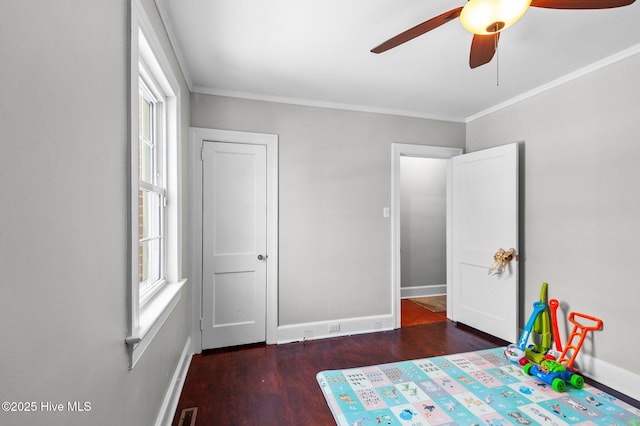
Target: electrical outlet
334,328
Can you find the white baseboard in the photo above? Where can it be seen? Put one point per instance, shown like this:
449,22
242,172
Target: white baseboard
172,396
342,327
423,291
610,375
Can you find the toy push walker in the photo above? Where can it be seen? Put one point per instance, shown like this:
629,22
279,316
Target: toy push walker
537,327
579,332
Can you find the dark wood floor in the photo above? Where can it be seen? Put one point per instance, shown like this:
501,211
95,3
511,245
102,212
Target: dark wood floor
276,384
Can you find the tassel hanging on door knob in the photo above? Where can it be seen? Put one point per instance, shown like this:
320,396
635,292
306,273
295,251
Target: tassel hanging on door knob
501,260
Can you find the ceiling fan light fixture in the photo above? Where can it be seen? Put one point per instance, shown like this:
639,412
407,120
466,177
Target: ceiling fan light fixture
491,16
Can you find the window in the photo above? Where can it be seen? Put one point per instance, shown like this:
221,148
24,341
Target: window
155,282
152,199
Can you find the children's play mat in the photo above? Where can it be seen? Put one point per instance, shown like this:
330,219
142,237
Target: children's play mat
474,388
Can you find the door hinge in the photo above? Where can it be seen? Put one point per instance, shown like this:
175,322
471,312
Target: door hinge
202,153
201,325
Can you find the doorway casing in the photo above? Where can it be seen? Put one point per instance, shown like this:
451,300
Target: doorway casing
422,151
198,136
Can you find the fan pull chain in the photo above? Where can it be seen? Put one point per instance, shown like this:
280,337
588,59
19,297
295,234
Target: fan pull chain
495,41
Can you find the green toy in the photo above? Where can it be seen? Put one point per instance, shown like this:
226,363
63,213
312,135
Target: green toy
541,335
556,374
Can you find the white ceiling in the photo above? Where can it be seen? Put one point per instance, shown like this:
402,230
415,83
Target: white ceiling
317,52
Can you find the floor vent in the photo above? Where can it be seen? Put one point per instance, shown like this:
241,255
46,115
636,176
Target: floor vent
188,417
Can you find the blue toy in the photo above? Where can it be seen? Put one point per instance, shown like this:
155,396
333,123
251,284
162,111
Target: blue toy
538,308
516,353
555,374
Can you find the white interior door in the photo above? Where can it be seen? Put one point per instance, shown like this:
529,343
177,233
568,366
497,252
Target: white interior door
233,244
484,219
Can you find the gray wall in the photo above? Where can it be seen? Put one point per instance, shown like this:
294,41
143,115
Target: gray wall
423,222
63,264
63,218
335,179
581,205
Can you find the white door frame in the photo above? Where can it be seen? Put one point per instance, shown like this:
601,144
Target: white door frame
409,150
198,136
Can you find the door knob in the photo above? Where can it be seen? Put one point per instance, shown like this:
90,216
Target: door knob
261,257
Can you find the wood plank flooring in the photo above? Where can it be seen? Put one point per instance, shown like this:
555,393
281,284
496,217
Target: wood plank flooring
275,384
414,314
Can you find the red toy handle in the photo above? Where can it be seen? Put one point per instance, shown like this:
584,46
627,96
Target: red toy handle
554,304
598,321
579,332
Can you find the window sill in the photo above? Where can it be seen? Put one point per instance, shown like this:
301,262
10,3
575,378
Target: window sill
152,317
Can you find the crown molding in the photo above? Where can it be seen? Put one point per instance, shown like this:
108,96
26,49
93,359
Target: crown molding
620,56
321,104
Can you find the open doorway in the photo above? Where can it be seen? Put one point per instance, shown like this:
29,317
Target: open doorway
423,226
419,226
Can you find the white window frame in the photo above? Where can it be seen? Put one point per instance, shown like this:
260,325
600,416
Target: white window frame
149,89
149,311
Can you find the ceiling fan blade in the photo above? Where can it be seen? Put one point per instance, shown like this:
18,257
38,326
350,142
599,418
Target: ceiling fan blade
580,4
418,30
483,47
